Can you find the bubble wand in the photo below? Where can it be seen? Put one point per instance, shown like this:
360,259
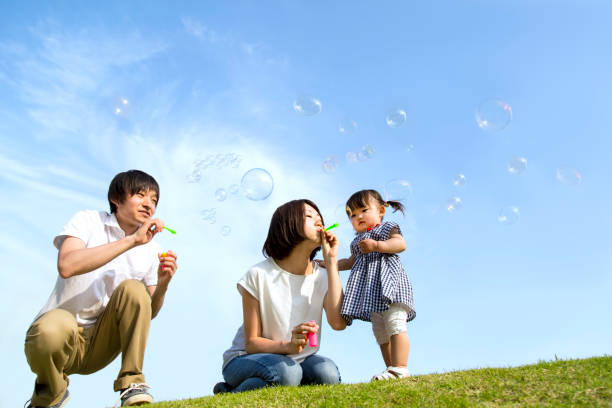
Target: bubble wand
331,226
171,230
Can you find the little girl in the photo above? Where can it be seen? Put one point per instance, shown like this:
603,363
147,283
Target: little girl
378,289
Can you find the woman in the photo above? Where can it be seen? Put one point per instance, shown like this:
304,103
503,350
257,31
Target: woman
282,301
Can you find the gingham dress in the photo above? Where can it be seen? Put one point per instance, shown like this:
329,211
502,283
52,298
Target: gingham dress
376,279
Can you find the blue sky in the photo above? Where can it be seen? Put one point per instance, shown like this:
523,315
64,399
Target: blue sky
208,78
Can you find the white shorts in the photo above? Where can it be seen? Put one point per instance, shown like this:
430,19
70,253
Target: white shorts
389,323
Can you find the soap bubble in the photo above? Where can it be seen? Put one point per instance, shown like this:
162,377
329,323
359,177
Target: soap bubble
398,189
122,107
347,126
220,194
234,189
330,164
410,148
307,105
459,180
368,151
209,215
454,204
509,215
257,184
225,230
351,157
195,176
396,118
517,165
361,156
569,176
493,114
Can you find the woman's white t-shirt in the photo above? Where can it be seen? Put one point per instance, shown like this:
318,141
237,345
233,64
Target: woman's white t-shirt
285,300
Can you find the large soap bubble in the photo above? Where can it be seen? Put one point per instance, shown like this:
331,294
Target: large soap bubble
307,105
569,176
398,189
396,118
493,114
257,184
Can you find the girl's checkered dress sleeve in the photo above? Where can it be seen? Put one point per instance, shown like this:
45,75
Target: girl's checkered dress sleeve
376,279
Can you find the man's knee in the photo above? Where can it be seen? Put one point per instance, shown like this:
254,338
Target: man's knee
134,291
50,333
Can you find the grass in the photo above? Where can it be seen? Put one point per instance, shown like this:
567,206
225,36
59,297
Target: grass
564,383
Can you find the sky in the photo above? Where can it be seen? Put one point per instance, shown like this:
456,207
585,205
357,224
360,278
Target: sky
211,86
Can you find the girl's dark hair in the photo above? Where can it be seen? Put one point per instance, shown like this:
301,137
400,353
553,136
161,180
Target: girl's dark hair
287,229
129,183
360,199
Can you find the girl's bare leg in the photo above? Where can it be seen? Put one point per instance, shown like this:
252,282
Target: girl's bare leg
385,349
399,348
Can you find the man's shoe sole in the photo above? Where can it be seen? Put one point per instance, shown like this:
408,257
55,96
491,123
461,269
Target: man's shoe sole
137,399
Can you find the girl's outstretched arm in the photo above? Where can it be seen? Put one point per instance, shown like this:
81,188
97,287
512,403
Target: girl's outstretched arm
346,263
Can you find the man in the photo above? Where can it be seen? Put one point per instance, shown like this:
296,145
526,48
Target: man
112,281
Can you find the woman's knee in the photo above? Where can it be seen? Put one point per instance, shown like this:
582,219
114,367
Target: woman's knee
320,370
288,373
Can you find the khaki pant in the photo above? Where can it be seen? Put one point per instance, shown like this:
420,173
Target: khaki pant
56,346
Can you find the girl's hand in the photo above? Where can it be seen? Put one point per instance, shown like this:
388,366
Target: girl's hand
298,336
329,245
368,245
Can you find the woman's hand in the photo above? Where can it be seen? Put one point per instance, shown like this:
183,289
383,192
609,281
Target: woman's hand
329,245
298,336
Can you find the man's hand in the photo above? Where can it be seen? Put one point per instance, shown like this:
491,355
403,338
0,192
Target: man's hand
368,245
147,231
167,267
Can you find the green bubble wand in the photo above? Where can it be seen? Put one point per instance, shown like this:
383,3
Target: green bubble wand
331,226
171,230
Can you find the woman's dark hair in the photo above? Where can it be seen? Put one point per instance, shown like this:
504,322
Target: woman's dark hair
360,199
287,229
129,183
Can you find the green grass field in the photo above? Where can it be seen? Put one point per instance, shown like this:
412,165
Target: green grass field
564,383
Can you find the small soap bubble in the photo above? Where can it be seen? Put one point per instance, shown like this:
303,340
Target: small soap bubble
398,189
517,165
225,230
257,184
330,164
459,180
347,126
195,176
361,156
509,215
410,148
209,215
396,118
351,157
307,105
569,176
122,107
493,115
368,151
234,189
454,204
220,194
